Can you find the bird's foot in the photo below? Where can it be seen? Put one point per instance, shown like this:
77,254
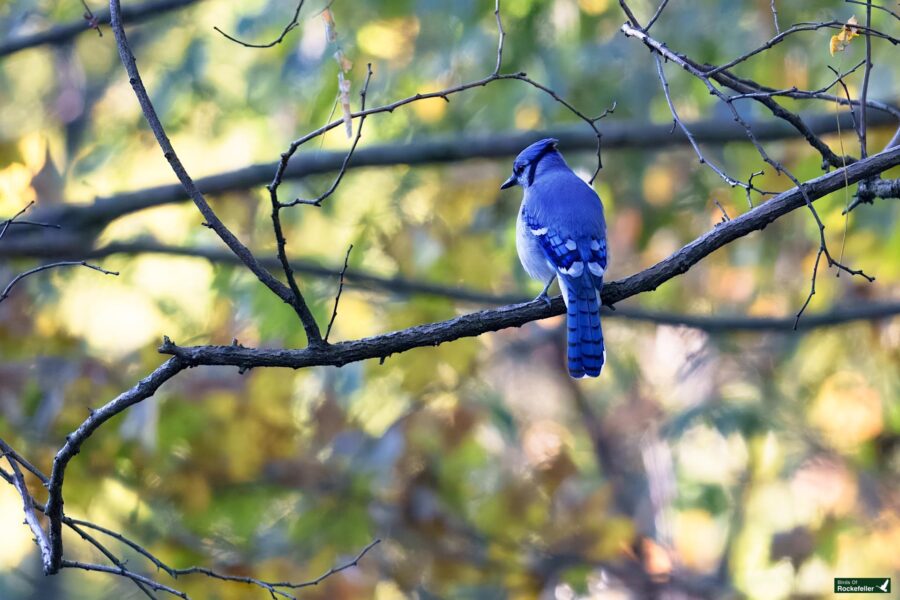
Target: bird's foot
543,296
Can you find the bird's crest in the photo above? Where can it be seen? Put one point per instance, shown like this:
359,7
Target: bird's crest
535,151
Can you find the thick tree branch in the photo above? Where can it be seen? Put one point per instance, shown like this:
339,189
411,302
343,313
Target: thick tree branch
64,33
81,217
474,324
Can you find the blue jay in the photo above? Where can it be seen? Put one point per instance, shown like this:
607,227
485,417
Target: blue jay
561,233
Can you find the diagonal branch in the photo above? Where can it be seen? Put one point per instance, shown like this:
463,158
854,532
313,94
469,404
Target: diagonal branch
40,536
290,296
476,323
141,391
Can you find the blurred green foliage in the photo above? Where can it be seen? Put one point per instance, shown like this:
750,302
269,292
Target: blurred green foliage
485,470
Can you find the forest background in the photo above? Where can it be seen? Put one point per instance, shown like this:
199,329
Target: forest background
722,453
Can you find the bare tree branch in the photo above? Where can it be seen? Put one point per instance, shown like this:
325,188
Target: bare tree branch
659,10
402,286
698,72
68,263
337,297
290,296
876,6
474,324
141,391
15,220
295,22
787,32
703,160
61,34
40,536
337,180
84,217
74,564
445,94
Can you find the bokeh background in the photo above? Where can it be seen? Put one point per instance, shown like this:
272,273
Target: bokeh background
756,464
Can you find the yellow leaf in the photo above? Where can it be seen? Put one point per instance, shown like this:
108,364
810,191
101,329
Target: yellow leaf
842,39
835,45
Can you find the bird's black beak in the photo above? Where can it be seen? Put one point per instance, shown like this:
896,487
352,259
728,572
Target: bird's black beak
509,182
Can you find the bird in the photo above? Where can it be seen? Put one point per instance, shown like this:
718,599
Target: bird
561,234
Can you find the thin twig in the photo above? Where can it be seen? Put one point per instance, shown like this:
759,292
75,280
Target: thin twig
629,14
662,50
444,94
795,92
846,212
343,170
812,286
865,86
703,160
74,564
662,7
138,581
799,27
330,572
270,586
6,224
66,263
337,297
295,22
7,450
876,6
774,10
501,37
92,21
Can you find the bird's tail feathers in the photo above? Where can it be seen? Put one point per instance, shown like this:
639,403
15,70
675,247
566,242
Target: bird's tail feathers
586,353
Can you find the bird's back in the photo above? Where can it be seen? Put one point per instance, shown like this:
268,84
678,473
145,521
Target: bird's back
562,197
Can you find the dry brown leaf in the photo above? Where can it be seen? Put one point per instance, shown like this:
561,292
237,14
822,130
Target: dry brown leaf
330,30
343,62
344,98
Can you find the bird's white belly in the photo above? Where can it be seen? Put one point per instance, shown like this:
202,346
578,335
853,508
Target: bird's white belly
531,254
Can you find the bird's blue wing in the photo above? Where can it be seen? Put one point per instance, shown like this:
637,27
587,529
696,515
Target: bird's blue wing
568,255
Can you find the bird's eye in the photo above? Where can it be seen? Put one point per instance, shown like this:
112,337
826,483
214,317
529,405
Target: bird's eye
518,169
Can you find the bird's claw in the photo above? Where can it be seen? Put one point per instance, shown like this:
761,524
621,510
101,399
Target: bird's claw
543,296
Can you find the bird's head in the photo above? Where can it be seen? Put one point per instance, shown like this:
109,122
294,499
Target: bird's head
527,161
